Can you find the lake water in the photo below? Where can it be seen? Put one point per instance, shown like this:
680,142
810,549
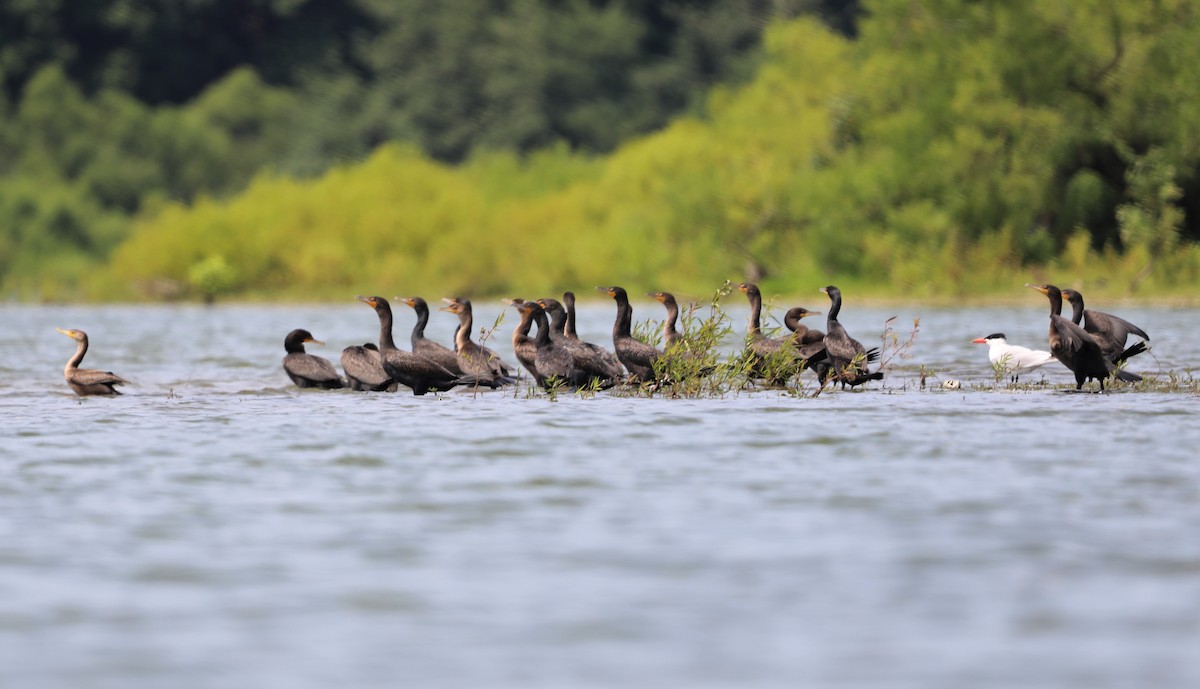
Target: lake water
216,527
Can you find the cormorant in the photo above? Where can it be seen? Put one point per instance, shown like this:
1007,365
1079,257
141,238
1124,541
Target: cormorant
523,345
810,343
417,372
606,364
363,366
442,355
592,360
1109,331
552,361
308,370
1075,348
87,381
671,336
474,359
847,357
773,357
637,356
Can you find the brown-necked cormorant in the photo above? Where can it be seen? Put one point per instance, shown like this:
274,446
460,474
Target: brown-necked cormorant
605,363
1075,348
474,359
671,336
524,347
308,370
86,381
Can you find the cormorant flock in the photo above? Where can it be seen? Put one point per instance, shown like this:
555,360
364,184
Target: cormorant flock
1092,344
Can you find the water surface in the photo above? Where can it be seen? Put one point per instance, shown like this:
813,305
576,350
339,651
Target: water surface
216,527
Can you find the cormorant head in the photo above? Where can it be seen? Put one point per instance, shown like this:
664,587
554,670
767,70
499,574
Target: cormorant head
295,340
615,292
748,288
800,312
550,305
1072,296
377,303
1048,290
662,297
831,291
456,305
412,302
77,335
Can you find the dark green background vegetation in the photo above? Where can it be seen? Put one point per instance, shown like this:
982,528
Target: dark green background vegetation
313,149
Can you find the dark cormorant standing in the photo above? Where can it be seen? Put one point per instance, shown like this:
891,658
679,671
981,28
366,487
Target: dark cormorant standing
417,372
87,381
603,364
553,362
591,360
1075,348
637,356
671,336
523,345
778,354
474,359
847,357
442,355
1109,331
363,366
809,342
308,370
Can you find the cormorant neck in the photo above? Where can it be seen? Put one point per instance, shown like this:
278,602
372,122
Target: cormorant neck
418,331
1077,310
558,321
463,335
385,328
543,333
569,303
623,327
81,348
836,307
753,326
672,316
292,345
1055,303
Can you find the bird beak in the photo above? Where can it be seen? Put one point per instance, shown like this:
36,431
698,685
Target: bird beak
366,300
979,340
826,291
316,342
812,313
407,300
64,332
1040,288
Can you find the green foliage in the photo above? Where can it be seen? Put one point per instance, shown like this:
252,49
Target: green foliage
212,277
949,149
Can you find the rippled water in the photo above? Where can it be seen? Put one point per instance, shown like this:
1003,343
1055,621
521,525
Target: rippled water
215,527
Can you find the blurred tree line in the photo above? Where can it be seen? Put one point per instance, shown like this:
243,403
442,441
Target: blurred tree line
923,146
109,107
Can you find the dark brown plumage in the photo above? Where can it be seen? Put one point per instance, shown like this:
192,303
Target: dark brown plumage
847,357
524,347
308,370
555,365
363,366
86,381
589,359
442,355
1109,331
1075,348
419,373
773,357
671,336
475,360
637,356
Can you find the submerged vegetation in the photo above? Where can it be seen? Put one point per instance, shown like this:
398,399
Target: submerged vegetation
948,149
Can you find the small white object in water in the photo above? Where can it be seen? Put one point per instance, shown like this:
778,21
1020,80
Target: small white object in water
952,385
